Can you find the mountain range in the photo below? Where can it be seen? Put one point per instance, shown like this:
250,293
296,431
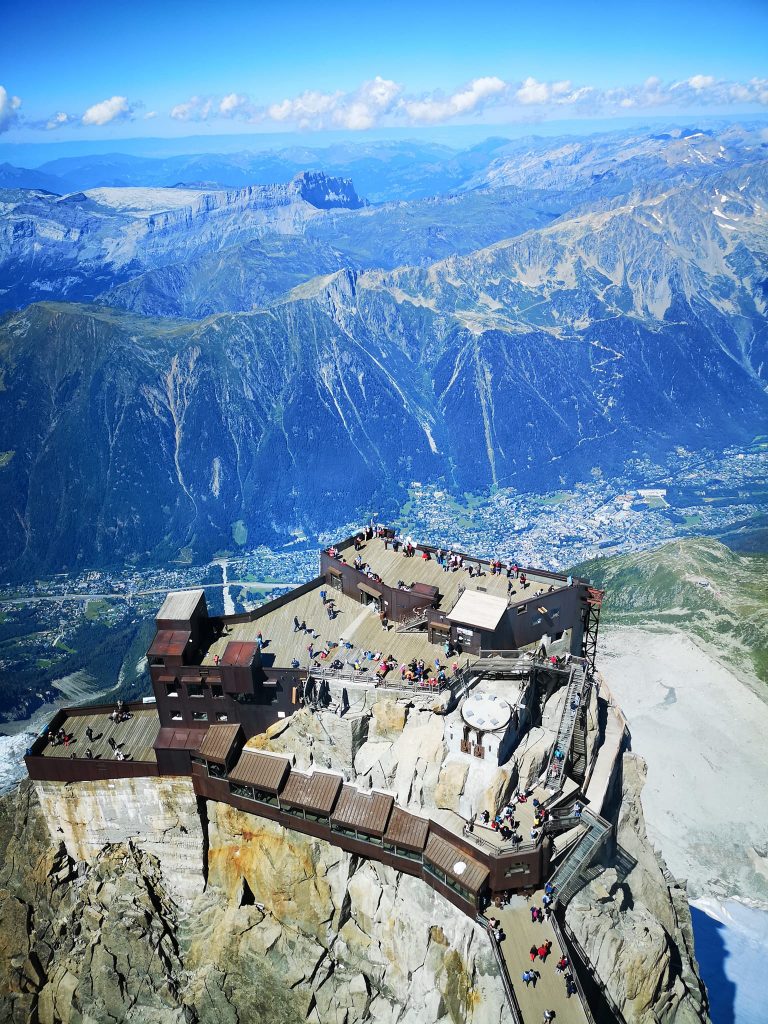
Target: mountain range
283,356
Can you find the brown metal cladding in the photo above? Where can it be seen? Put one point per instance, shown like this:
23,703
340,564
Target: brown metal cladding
366,812
218,742
369,589
263,771
407,830
169,643
239,653
447,857
315,793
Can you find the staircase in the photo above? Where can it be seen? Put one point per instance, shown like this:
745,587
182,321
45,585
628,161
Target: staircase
579,745
577,683
566,878
416,621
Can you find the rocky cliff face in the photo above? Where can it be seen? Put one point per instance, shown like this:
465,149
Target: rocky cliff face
634,923
128,901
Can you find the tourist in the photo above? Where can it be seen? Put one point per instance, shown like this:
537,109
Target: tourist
295,663
303,626
89,733
533,952
259,640
544,950
548,1016
296,624
111,742
89,753
549,888
570,986
527,978
534,915
561,964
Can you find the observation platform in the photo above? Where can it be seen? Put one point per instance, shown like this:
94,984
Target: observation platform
359,623
134,737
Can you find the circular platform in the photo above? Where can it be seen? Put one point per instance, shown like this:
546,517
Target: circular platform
486,712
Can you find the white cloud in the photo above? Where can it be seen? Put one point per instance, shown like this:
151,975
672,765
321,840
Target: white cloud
9,109
197,108
115,108
381,100
230,104
150,114
699,82
532,91
57,121
471,98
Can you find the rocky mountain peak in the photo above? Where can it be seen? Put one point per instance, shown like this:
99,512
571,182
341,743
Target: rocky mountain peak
326,192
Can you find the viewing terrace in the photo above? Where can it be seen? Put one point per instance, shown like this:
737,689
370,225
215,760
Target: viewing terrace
355,618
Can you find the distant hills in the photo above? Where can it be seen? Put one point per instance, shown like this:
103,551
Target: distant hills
285,355
697,585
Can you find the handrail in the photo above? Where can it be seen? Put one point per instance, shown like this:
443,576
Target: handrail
590,967
526,847
506,981
574,974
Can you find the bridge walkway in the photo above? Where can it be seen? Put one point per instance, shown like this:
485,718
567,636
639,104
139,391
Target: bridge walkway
549,992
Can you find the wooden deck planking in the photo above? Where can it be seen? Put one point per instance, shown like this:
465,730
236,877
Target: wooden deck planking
357,623
520,934
135,736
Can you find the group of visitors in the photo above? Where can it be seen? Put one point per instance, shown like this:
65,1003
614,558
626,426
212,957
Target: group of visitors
504,823
61,737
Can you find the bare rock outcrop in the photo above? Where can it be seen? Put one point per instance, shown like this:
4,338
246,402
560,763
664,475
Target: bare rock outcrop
634,925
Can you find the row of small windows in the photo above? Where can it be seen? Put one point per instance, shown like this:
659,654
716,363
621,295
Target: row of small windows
198,716
193,689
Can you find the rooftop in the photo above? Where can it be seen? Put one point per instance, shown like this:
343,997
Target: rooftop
179,605
477,609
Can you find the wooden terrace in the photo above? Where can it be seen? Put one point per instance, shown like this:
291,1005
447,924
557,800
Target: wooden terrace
134,737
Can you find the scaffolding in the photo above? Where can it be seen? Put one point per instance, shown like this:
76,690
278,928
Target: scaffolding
594,602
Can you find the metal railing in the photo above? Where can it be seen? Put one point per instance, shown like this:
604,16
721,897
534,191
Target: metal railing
565,946
502,848
574,944
506,981
580,855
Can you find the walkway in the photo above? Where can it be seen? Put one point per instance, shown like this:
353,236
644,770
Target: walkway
549,993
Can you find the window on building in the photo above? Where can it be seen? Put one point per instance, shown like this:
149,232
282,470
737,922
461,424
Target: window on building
156,662
517,869
172,689
195,690
221,716
199,716
522,609
176,715
217,691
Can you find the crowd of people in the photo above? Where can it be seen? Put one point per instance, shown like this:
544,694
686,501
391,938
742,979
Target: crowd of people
62,738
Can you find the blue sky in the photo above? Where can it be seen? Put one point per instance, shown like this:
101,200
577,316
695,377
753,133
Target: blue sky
91,70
